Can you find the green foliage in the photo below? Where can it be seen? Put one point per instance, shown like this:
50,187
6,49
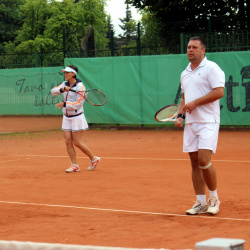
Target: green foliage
35,14
110,27
232,14
36,45
66,17
128,24
10,20
93,13
48,23
149,29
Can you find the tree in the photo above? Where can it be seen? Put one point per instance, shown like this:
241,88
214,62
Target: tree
49,23
64,24
110,27
128,24
149,29
93,14
10,20
35,15
196,12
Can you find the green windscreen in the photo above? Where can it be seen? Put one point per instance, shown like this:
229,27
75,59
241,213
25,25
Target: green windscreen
136,87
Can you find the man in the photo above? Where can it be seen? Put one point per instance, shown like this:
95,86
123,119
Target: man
202,84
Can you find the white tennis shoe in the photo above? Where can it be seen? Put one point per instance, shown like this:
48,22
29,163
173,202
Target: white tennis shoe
197,208
93,164
214,204
73,168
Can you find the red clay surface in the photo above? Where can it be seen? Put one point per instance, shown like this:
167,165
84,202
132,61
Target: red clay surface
137,196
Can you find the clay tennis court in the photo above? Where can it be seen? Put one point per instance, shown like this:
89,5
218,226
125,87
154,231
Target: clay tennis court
137,196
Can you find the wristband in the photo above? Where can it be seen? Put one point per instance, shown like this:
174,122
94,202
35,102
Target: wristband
181,115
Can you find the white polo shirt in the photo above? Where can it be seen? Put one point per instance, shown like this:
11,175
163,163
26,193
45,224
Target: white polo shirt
199,82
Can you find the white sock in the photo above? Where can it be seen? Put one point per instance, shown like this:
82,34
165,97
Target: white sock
213,193
202,199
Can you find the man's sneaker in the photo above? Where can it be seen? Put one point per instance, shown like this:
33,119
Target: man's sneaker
94,163
214,204
197,208
73,168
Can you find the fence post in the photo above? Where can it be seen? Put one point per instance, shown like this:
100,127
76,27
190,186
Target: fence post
138,40
182,43
36,59
64,43
41,56
112,43
209,35
156,44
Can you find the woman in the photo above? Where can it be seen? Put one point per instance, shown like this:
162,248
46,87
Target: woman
74,121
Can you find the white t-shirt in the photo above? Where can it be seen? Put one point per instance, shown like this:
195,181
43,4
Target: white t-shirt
199,82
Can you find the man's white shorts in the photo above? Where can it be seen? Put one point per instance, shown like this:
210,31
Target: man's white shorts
200,136
75,123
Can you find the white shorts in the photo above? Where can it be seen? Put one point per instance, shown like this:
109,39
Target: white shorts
200,136
75,123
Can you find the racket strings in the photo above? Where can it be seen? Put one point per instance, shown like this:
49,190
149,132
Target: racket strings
167,113
95,97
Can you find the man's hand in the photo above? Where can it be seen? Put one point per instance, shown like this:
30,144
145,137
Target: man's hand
179,122
189,107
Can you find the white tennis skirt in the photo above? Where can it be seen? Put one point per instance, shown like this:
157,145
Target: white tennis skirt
75,123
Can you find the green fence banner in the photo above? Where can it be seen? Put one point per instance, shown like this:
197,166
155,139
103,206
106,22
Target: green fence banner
136,87
27,91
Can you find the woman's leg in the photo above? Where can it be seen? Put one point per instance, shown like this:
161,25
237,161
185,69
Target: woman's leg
68,137
76,137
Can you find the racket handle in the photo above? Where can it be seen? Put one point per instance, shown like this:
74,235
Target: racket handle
72,90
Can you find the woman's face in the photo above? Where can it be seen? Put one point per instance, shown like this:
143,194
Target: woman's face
68,75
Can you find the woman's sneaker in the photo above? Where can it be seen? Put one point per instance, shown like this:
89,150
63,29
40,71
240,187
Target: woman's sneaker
94,163
73,168
197,208
214,204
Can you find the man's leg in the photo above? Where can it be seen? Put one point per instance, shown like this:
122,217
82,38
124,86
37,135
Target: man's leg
210,178
199,185
197,177
208,170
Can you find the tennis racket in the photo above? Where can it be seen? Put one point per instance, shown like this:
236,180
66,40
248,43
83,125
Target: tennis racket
167,114
93,96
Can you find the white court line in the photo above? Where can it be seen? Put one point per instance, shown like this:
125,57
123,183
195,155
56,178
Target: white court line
123,211
127,158
7,161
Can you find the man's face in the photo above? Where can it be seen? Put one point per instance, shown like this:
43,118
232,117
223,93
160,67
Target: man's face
195,51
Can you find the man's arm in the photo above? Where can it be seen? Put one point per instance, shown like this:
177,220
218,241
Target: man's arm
214,95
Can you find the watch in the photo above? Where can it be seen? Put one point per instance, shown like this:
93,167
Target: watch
181,115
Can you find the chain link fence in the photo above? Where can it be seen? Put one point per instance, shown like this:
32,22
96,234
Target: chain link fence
221,35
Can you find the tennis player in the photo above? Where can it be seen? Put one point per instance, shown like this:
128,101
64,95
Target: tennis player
74,121
202,84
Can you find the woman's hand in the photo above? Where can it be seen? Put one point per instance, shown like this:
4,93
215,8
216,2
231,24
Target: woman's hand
59,105
66,89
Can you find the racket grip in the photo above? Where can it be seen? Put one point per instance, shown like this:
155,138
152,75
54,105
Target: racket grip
72,90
